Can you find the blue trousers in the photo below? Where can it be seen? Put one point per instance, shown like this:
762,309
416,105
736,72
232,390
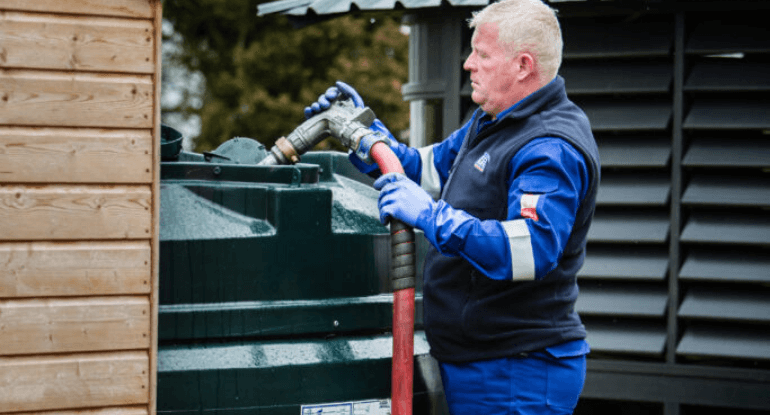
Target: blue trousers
540,383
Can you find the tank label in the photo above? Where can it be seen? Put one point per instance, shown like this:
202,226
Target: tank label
373,407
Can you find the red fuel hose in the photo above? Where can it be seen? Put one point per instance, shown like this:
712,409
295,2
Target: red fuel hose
403,273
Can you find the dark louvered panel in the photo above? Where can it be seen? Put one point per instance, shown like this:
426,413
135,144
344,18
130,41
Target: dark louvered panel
728,227
626,337
624,300
717,303
742,342
621,74
591,39
633,263
465,87
740,266
634,151
728,190
731,113
629,226
724,313
627,114
634,189
710,36
620,77
725,75
735,151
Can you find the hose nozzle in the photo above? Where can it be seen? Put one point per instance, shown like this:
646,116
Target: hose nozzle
342,120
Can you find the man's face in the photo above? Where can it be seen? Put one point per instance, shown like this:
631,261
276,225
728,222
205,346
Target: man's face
493,74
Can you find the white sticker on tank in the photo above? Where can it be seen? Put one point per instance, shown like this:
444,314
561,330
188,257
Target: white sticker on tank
374,407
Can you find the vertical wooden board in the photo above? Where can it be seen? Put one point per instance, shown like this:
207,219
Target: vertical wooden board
154,300
73,381
37,326
60,269
126,410
75,155
125,8
43,41
30,213
75,99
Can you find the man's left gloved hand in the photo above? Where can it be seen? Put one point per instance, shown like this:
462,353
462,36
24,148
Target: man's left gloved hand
403,199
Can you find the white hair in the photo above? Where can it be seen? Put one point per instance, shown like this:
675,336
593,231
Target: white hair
526,26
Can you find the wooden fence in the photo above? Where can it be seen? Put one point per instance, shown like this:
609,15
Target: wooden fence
79,205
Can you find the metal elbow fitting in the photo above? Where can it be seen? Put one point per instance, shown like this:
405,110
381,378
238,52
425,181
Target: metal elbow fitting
342,120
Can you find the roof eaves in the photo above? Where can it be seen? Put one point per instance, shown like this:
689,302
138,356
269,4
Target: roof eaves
281,6
467,3
323,7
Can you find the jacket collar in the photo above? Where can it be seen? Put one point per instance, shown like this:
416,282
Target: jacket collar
531,104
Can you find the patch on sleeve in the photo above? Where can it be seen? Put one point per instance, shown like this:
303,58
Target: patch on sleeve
529,206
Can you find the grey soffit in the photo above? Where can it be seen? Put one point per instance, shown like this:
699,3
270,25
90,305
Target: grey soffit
321,7
325,7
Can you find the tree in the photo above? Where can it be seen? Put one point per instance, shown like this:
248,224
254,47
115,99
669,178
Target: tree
260,72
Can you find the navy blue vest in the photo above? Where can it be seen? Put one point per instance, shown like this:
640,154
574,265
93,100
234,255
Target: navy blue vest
470,317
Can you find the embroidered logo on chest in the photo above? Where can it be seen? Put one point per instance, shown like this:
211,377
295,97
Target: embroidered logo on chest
529,206
482,162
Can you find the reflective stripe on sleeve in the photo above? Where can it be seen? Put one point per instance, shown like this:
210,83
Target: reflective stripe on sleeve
520,242
429,180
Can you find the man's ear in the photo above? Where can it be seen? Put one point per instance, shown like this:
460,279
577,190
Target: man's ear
525,63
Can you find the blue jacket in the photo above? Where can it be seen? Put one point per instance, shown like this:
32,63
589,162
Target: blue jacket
517,195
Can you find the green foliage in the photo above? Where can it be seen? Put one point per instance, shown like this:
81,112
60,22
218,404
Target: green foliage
260,72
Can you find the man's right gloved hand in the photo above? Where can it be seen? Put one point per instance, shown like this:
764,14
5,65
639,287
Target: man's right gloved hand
340,89
343,90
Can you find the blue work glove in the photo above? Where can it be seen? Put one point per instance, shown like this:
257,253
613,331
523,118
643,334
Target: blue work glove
343,90
445,227
403,199
365,147
325,100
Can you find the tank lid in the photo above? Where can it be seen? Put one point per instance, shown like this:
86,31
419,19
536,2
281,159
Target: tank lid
170,143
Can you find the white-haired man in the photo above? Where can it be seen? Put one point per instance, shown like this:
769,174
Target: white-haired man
513,194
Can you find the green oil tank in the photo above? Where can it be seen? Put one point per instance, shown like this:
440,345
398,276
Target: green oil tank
274,288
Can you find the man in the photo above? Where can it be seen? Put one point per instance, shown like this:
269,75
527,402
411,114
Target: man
513,195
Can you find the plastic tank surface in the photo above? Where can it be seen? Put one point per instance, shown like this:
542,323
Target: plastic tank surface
274,288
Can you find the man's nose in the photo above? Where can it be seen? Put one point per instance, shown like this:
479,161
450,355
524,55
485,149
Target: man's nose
468,63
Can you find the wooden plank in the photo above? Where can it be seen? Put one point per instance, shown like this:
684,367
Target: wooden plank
73,381
75,212
75,99
43,41
75,155
43,269
74,325
125,410
154,297
125,8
